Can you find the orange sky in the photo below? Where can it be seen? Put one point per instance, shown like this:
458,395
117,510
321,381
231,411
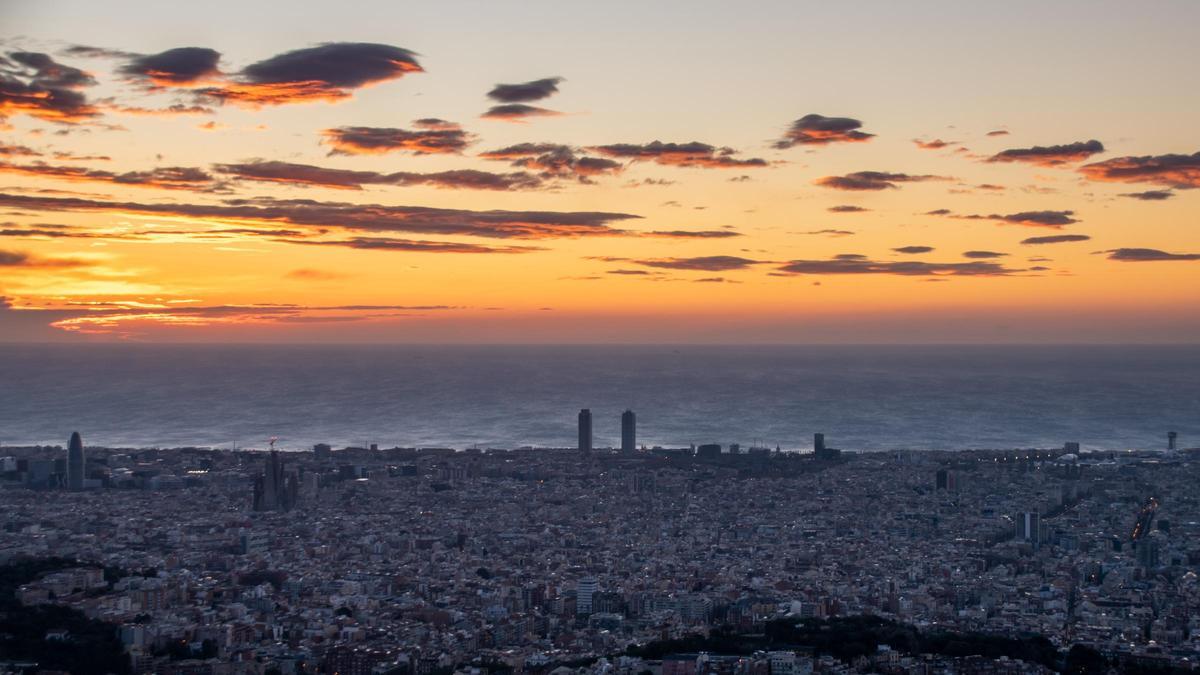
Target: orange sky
557,174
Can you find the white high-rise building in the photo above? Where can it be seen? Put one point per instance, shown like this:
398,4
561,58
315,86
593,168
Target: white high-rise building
583,595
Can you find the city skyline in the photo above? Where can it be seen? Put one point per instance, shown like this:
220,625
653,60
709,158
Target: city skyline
477,173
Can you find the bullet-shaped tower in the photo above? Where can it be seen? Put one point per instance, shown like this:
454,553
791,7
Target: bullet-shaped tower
75,462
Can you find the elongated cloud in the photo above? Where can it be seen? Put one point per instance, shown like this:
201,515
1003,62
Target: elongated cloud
13,150
1055,239
936,144
1053,219
912,250
983,255
872,180
1177,171
433,137
814,129
691,234
345,216
34,84
168,178
329,72
517,112
1150,195
851,263
177,67
711,263
126,320
345,179
20,259
1050,155
847,208
1148,255
552,160
411,245
691,155
526,91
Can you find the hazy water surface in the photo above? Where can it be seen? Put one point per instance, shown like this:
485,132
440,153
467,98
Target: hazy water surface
861,397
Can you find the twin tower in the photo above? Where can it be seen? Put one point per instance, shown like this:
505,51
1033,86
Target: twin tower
628,431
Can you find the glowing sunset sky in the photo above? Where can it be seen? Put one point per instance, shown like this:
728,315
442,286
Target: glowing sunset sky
600,172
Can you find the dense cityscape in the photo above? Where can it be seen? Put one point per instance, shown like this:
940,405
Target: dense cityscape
631,560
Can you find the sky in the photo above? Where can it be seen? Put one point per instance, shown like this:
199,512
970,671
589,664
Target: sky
620,172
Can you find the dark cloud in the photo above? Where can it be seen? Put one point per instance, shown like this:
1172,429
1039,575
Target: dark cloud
830,233
629,272
328,72
981,255
858,264
846,208
170,177
712,263
1055,239
345,216
1030,218
12,150
169,111
691,155
411,245
1150,195
872,180
1177,171
98,52
517,112
434,137
1050,155
913,249
997,132
714,280
552,160
692,234
182,66
15,259
936,144
34,84
1147,255
813,129
309,175
526,91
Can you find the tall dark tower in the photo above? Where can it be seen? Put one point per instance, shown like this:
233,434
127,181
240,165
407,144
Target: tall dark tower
628,431
585,431
818,444
75,462
1171,439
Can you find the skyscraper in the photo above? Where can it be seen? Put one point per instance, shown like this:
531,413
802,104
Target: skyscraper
1029,527
583,596
75,462
585,431
628,431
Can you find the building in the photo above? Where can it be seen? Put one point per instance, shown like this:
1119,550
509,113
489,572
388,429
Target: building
822,451
322,451
1029,527
584,592
628,431
275,490
585,430
75,462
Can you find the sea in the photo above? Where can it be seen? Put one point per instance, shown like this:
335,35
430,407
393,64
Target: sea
863,398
